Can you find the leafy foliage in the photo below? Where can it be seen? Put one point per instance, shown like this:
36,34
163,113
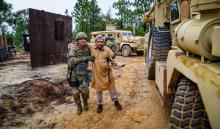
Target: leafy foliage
20,25
18,22
131,14
87,16
124,12
5,12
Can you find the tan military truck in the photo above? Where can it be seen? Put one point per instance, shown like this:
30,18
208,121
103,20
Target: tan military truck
188,77
125,40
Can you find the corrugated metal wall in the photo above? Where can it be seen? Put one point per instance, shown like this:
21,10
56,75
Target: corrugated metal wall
49,36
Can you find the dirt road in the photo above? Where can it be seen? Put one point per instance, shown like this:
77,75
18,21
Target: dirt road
139,97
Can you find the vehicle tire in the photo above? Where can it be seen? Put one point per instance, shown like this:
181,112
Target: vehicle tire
151,71
140,53
160,44
188,111
150,63
126,51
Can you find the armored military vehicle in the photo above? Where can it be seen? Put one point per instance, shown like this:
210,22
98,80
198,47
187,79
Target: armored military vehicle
183,56
126,42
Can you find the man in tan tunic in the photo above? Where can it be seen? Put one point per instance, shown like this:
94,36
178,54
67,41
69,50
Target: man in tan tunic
102,78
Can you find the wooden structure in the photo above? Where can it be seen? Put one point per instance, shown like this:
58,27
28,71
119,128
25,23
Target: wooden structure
49,36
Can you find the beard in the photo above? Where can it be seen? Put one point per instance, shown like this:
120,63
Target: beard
100,47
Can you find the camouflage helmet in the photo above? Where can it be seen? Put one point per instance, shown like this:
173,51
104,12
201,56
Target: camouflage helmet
81,35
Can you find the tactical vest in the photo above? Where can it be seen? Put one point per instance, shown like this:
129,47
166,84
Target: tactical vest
78,53
84,52
81,68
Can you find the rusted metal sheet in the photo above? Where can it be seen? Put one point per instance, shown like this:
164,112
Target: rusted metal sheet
49,36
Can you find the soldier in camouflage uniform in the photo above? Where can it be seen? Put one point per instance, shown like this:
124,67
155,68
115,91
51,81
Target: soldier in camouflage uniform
78,58
111,43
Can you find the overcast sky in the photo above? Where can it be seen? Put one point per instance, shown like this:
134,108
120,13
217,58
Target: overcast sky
57,6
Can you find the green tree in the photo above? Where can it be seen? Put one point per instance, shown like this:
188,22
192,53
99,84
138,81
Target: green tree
141,6
108,17
131,14
94,16
124,12
5,14
20,25
5,17
87,16
79,14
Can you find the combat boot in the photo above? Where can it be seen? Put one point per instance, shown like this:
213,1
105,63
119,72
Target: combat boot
85,105
99,109
117,105
79,109
85,97
76,97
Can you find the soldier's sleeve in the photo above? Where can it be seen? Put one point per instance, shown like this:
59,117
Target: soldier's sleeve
72,58
114,50
111,55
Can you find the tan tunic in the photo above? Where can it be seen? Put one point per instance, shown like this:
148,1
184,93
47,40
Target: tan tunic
102,78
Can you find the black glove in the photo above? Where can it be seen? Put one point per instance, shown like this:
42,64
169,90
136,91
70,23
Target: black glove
89,58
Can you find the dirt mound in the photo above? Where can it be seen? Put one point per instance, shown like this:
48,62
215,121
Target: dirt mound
29,97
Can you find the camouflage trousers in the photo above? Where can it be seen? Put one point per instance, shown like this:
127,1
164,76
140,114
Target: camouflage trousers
80,88
81,92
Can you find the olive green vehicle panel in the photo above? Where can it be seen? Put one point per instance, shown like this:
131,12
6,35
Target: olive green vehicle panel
205,75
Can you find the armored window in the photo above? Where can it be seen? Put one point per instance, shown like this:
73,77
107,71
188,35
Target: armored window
130,34
175,12
124,34
59,30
